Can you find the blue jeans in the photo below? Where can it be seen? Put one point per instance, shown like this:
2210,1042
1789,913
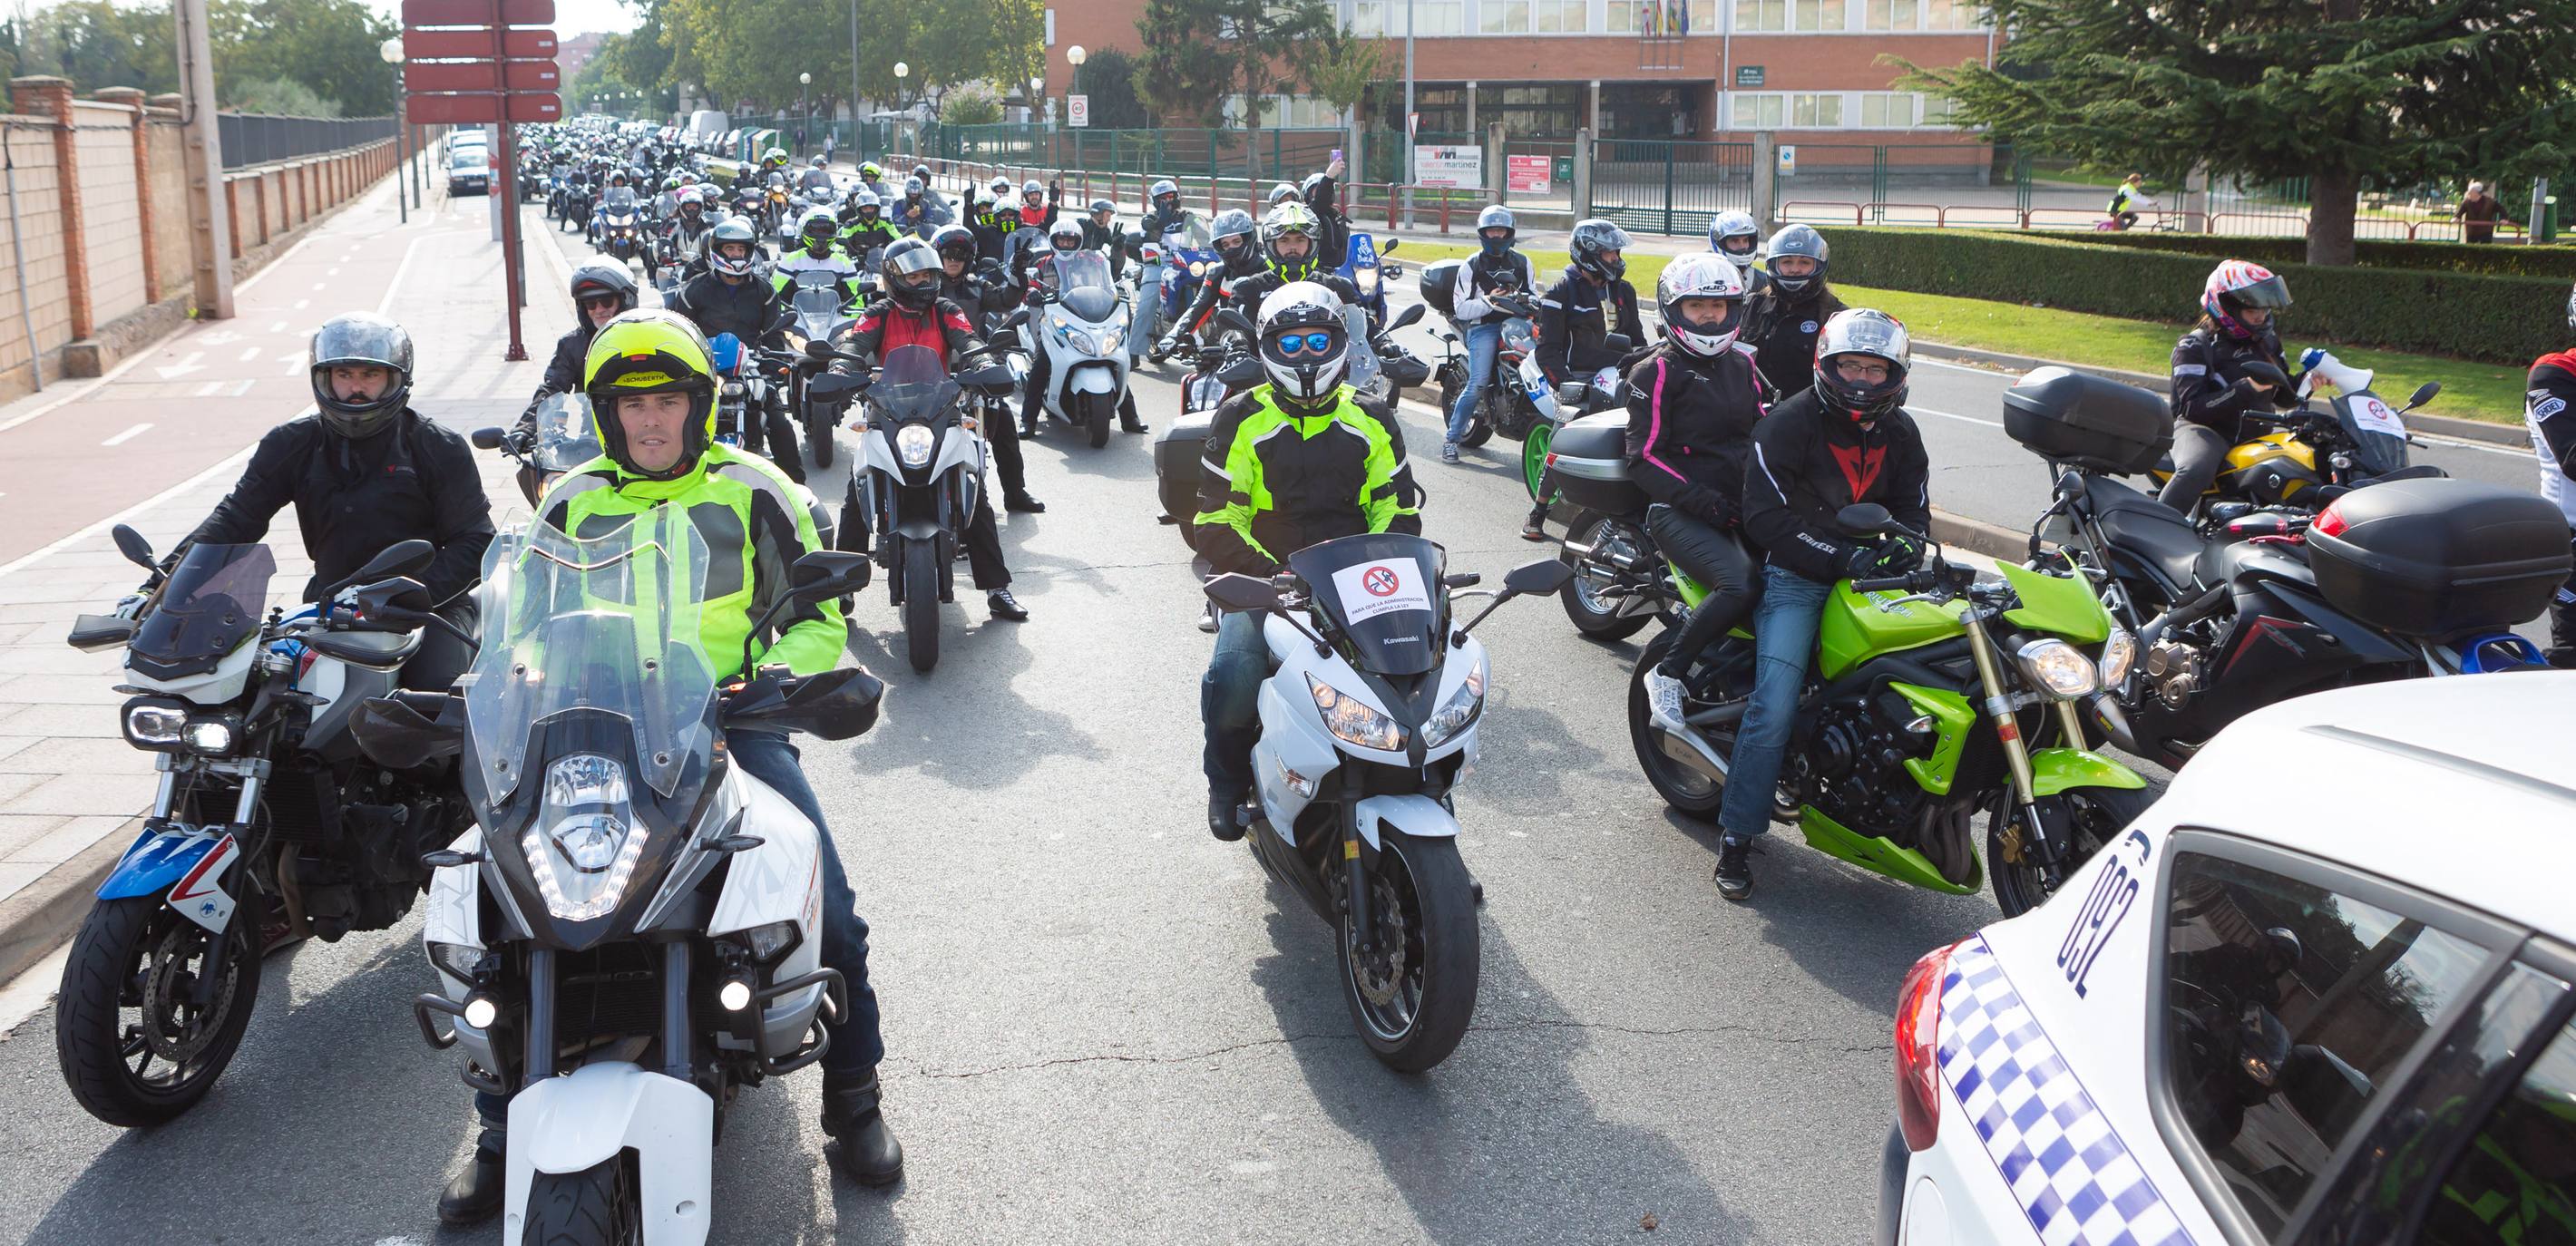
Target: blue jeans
1483,342
1230,702
857,1043
1784,636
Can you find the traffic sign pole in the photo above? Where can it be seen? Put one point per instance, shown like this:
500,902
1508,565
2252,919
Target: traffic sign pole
512,253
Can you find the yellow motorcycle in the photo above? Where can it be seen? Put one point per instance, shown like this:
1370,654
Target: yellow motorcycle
2317,452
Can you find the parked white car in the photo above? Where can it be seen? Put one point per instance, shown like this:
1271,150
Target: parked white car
2320,993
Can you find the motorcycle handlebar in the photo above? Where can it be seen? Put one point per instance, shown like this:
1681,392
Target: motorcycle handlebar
1916,581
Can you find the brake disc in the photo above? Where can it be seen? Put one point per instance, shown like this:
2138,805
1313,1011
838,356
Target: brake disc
169,1037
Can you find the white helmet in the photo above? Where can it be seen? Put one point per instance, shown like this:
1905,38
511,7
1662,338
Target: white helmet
1001,187
1066,227
1701,275
1294,319
1741,229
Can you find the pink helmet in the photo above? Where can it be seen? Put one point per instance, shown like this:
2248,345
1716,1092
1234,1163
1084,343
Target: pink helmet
2238,284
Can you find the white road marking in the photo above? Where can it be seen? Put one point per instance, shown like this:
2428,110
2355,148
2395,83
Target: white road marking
183,367
301,304
248,355
278,327
210,389
329,272
321,285
28,993
126,436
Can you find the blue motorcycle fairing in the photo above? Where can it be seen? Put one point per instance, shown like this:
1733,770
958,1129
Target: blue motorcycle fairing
160,857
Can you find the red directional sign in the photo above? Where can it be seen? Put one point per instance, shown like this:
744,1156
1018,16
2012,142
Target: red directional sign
478,109
479,76
432,45
477,13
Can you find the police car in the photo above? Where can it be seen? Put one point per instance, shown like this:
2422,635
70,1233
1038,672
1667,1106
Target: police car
2321,993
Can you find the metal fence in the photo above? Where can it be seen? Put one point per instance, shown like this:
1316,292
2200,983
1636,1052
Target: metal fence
1283,154
1666,187
254,138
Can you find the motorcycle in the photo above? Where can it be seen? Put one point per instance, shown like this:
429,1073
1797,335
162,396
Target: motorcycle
1621,579
2311,456
1887,765
2393,580
576,203
1367,727
264,800
1081,324
628,937
556,179
620,236
774,211
921,463
565,437
1451,373
1364,269
1189,261
814,302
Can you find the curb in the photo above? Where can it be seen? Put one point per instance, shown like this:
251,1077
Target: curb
43,915
1979,537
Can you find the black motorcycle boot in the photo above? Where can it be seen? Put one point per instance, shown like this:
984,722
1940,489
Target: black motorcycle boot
1734,867
869,1152
1222,821
1005,606
475,1194
1127,421
1022,502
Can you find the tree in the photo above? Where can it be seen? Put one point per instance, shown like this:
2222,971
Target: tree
1109,78
970,105
328,45
278,97
1200,54
2342,92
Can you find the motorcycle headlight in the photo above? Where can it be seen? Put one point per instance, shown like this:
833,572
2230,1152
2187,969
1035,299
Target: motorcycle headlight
211,736
1351,720
155,726
2057,669
1198,268
1366,281
456,960
584,845
733,389
768,943
795,340
1076,339
914,443
1460,710
2117,653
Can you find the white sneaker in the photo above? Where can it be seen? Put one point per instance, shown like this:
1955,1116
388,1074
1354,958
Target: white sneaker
1448,452
1207,618
1664,700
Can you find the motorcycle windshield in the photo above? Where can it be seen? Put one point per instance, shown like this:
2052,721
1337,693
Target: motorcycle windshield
567,436
913,385
211,602
1364,364
607,625
620,199
824,302
1190,235
1383,592
2378,434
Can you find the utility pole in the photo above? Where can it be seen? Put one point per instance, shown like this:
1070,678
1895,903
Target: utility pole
203,153
855,155
1408,114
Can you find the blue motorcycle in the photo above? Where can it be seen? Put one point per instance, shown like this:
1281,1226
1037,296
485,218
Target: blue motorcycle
1364,268
1189,259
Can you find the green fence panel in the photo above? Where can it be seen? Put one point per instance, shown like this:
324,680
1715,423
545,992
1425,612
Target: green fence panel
1669,187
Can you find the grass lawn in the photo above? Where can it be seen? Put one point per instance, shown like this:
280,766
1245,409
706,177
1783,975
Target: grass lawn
2470,390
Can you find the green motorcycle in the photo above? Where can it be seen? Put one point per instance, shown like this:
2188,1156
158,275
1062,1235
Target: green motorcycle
1888,762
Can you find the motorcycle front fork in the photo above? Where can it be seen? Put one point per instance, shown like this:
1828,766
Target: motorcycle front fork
1999,711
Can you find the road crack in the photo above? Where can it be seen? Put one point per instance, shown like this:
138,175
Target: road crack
1500,1027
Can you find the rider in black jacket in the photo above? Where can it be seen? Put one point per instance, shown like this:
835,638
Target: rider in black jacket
979,289
1590,302
2211,390
1794,304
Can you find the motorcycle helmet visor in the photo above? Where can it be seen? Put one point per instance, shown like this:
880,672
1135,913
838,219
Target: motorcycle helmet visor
2270,294
1293,344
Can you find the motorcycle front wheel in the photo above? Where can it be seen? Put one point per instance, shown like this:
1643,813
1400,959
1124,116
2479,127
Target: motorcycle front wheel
1097,412
921,603
2093,816
1588,603
128,1004
1413,996
598,1206
818,439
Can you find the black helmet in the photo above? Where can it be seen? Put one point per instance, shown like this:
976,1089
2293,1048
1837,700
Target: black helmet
1312,186
903,264
1863,331
1593,238
954,242
597,278
1797,240
368,340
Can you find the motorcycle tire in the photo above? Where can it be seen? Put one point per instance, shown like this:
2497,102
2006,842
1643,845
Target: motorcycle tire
1592,616
1513,417
921,603
598,1206
818,439
1098,412
1426,1007
2096,815
1686,790
1478,432
93,1041
1534,455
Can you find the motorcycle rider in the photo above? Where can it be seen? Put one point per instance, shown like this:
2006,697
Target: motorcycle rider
914,313
1039,205
1738,237
773,160
730,297
1847,439
993,224
1794,305
1575,319
1289,463
364,472
1238,260
684,240
818,248
1692,406
917,214
1100,233
863,225
651,377
2211,393
872,178
815,177
2549,394
979,289
601,291
1064,237
1322,193
1163,211
1496,269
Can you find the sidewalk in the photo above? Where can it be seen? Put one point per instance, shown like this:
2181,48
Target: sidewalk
72,792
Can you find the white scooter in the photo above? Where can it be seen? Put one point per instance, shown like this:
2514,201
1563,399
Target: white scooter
1081,324
632,934
1371,673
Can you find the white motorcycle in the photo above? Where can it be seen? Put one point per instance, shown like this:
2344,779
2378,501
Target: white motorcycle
1367,725
1081,324
631,935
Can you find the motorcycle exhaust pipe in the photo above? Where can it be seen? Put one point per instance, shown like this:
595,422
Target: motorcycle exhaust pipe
2115,724
2181,616
1690,750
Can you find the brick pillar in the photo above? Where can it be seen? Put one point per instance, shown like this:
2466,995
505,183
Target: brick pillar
232,208
132,97
44,96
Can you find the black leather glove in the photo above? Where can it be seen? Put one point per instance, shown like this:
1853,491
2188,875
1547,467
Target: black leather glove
1898,554
1857,563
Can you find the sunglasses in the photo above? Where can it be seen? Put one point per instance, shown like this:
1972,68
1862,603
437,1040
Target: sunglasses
600,300
1296,344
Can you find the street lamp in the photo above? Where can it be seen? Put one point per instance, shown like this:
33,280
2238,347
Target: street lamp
392,51
901,72
1037,92
1075,56
805,103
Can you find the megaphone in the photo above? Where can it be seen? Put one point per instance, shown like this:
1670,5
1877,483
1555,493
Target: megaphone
2321,366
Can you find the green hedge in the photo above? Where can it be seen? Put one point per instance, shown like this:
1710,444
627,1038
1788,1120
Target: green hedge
2496,319
2494,259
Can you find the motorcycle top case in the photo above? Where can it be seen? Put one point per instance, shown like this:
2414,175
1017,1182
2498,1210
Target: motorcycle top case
1590,460
2088,422
1440,285
2439,558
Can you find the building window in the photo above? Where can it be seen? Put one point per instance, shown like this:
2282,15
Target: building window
1953,15
1820,111
1886,110
1755,110
1385,18
1503,17
1887,15
1535,111
1624,17
1940,110
1761,14
1571,17
1818,15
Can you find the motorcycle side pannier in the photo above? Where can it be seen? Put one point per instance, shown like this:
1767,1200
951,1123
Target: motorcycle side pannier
1440,285
2087,421
2439,558
1590,460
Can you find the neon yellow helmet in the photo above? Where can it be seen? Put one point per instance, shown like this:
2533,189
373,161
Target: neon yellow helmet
652,352
1295,218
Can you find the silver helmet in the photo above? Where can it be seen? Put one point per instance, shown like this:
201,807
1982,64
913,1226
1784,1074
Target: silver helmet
361,339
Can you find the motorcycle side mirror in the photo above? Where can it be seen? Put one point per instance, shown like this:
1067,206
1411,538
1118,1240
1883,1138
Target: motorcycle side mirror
834,384
1243,594
136,550
1410,315
1388,247
2423,394
826,573
1862,519
2071,484
1018,318
1237,321
818,348
487,438
1538,578
2266,373
401,558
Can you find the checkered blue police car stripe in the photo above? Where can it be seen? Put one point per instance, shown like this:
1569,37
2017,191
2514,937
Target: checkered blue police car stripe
2071,1174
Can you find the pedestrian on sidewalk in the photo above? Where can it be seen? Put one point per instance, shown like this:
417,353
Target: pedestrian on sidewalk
2478,213
831,142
